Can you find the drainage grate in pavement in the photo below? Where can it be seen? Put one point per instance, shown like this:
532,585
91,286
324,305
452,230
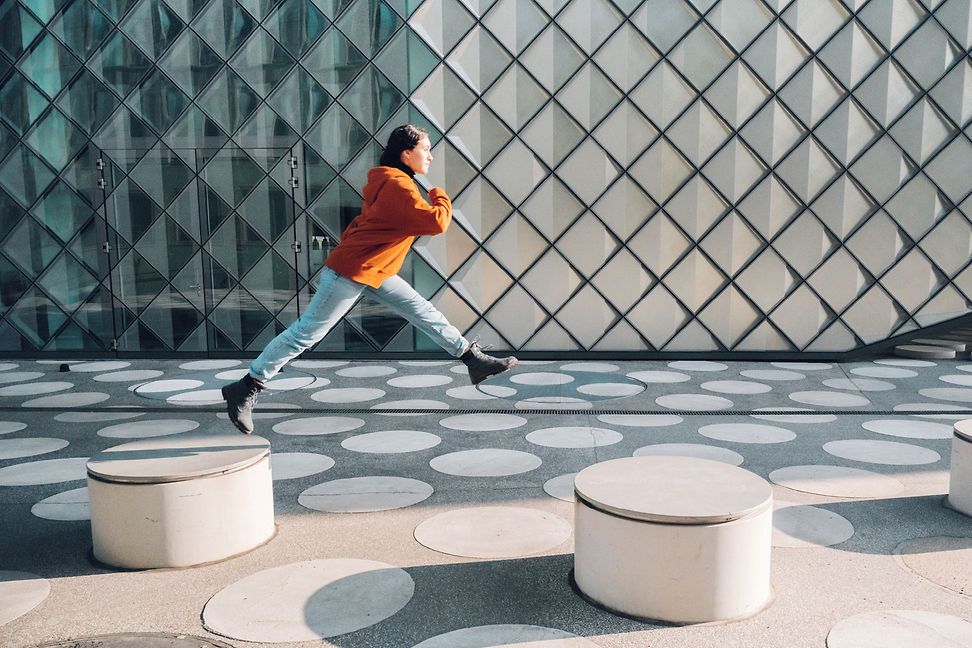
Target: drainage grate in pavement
138,640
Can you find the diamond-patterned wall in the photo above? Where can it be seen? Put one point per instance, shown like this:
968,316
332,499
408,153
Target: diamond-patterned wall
663,175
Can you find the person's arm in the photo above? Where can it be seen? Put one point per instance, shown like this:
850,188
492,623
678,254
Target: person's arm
418,216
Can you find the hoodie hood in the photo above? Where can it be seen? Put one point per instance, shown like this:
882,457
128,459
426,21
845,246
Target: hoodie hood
378,177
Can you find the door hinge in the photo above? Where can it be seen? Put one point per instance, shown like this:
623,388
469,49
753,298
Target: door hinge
100,164
293,183
114,345
101,183
106,247
293,161
295,246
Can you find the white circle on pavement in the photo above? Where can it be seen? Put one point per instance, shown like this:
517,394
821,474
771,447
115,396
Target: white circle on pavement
573,437
420,380
859,384
21,592
20,448
610,390
99,366
829,399
425,363
66,506
20,376
163,386
209,365
955,394
909,428
510,635
697,450
901,629
196,397
498,391
746,433
697,365
389,408
308,601
347,395
286,383
6,427
693,402
772,374
483,422
798,525
735,387
964,380
366,371
889,453
73,399
802,366
906,362
95,417
469,392
659,376
32,389
231,374
317,425
7,366
48,471
561,487
883,372
257,414
293,465
391,442
594,367
935,410
318,364
134,375
544,378
146,429
798,415
967,367
640,420
493,532
365,494
836,481
485,462
553,403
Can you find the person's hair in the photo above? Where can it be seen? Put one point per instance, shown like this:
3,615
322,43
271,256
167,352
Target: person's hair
403,138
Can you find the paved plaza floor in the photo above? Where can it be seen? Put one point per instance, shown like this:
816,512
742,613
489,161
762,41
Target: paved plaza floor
413,509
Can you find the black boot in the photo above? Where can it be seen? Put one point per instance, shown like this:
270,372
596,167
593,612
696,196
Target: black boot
240,398
482,366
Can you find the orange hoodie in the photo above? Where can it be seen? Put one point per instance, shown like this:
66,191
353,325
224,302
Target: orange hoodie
373,246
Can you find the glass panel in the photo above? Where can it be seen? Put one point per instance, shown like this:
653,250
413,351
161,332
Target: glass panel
67,282
88,102
30,247
297,24
267,209
407,60
266,129
191,63
8,139
334,61
125,132
86,247
158,101
56,139
44,9
50,65
228,100
370,24
133,211
82,28
337,136
162,174
195,130
262,62
300,100
13,283
25,176
63,212
36,317
116,8
187,9
120,64
20,103
224,26
372,98
232,174
136,282
317,174
153,25
17,29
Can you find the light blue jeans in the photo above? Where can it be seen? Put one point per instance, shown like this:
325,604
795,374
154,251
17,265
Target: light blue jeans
335,296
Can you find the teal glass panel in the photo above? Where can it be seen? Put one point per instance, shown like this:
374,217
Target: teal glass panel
228,100
50,65
20,103
136,281
337,137
153,26
56,139
297,24
259,8
356,172
73,338
158,101
31,247
268,210
224,26
172,318
407,60
378,322
125,131
372,98
195,130
17,29
317,174
215,209
232,174
191,63
116,8
369,24
67,282
24,175
81,28
334,61
237,246
88,102
8,139
300,100
13,283
44,9
95,316
10,213
82,174
266,129
186,9
36,317
343,337
131,211
63,212
162,175
120,64
262,62
4,66
240,318
332,8
166,246
336,207
86,247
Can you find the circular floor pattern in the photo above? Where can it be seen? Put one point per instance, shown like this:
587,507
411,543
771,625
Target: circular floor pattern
6,427
425,363
231,374
906,362
347,395
293,465
485,462
308,601
318,364
257,415
735,387
134,375
953,394
965,380
901,629
391,442
89,367
419,381
909,429
746,433
48,471
7,366
798,415
697,450
495,391
73,399
640,420
20,593
366,371
471,392
659,376
924,556
388,408
888,453
289,382
610,390
20,448
561,487
772,374
168,386
196,397
510,635
697,365
35,388
829,399
859,384
483,422
573,437
798,525
541,378
365,494
935,410
147,429
20,376
693,402
95,417
836,481
593,367
67,506
967,367
802,366
318,425
883,372
493,532
553,403
209,365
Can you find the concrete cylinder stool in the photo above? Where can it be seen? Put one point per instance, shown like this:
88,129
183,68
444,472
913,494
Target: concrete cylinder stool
673,539
181,500
960,473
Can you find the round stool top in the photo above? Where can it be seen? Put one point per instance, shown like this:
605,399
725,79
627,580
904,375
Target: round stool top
178,457
673,490
963,429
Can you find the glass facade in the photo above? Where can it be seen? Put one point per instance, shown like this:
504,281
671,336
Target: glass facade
638,176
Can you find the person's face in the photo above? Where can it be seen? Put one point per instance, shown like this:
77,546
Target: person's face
419,158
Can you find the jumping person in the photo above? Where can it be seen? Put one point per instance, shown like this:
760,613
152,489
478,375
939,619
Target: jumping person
367,261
